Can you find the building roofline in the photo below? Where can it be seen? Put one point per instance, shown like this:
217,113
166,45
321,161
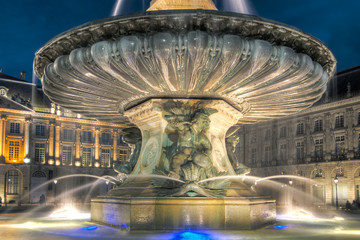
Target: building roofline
347,71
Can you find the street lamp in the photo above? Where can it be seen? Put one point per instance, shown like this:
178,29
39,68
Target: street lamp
336,180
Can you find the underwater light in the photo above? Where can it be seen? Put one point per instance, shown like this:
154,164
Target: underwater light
280,227
90,228
189,235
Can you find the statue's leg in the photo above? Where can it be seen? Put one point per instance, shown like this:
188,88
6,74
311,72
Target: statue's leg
202,160
176,162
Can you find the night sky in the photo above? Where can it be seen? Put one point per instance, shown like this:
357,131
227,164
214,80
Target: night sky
26,25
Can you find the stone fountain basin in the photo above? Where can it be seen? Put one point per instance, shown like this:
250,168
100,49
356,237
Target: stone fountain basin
262,68
170,213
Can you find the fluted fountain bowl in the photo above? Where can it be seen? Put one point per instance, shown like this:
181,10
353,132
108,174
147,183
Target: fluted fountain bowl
262,68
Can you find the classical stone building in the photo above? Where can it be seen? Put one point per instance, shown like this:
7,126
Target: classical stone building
40,141
320,143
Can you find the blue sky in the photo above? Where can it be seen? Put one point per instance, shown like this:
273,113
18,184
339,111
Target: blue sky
26,25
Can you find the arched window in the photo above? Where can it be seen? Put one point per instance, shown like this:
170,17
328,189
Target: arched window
340,172
39,174
12,182
318,173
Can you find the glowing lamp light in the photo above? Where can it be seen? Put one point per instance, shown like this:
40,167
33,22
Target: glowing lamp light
291,182
57,163
336,180
26,160
77,163
55,181
97,164
78,116
51,162
107,182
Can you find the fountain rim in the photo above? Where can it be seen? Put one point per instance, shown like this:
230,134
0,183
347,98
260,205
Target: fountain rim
41,59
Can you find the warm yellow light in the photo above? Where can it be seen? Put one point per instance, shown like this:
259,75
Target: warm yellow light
51,162
156,5
77,163
57,163
97,164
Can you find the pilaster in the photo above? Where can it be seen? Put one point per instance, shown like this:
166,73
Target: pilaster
57,143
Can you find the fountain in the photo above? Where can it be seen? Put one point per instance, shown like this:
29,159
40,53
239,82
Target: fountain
187,76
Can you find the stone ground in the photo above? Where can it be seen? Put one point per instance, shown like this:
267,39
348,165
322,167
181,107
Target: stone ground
25,223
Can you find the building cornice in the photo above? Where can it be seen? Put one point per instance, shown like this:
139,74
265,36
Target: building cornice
60,118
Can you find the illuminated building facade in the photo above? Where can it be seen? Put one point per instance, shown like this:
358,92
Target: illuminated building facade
320,143
40,141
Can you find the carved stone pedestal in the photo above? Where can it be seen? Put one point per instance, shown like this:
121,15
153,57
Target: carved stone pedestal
170,127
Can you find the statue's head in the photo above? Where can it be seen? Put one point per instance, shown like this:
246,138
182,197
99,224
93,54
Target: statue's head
201,120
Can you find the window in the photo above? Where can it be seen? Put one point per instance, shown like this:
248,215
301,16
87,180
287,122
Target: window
339,145
267,154
87,137
14,147
14,127
105,157
67,135
267,134
340,172
300,152
318,173
318,127
67,155
339,121
40,153
86,157
40,130
13,182
283,152
123,154
300,129
318,149
253,138
283,132
253,156
106,138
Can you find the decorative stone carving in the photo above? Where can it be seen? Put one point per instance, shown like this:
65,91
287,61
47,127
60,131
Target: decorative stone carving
183,55
183,139
132,136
